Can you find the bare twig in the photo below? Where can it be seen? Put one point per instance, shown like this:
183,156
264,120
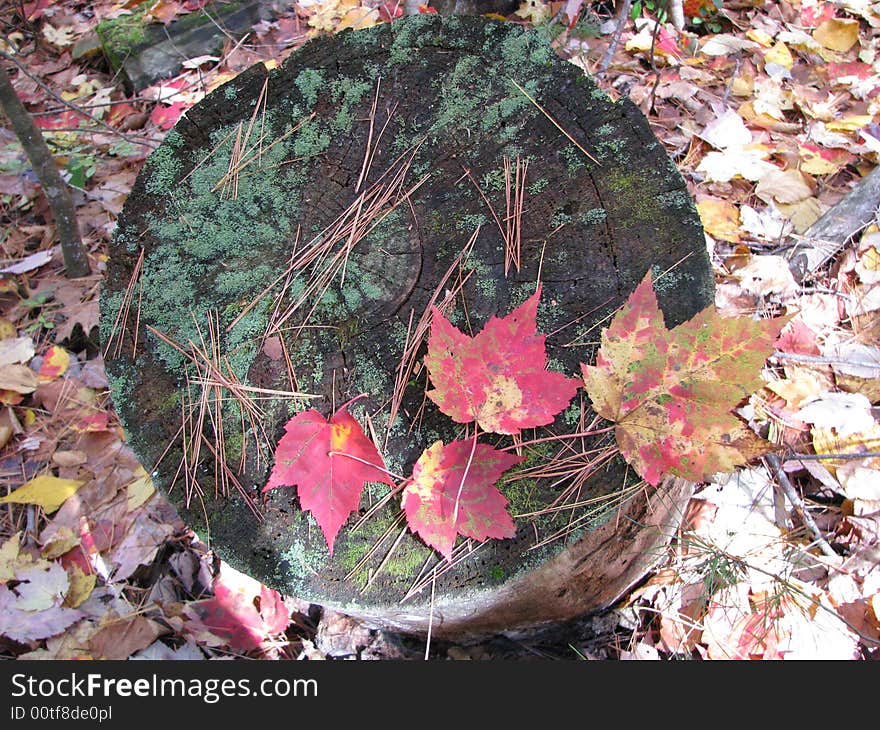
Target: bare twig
73,107
819,360
620,19
798,503
853,456
76,260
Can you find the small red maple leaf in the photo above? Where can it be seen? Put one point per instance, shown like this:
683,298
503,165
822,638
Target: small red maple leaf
328,462
797,338
64,120
165,117
497,378
453,492
234,615
390,11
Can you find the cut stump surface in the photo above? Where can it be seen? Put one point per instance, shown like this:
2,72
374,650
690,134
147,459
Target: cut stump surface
295,227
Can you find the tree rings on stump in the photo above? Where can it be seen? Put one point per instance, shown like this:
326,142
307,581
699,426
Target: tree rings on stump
290,235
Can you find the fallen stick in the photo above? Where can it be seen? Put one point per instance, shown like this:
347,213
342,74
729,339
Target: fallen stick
837,225
799,507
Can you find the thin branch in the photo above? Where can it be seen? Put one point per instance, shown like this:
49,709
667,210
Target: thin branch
798,503
620,19
854,456
73,107
818,360
76,261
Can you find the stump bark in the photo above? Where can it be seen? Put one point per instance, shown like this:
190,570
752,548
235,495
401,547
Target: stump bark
411,133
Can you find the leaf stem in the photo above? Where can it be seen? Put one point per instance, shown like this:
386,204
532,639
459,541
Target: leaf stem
352,400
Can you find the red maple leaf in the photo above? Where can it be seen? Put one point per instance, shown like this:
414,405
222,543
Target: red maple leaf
390,11
119,112
165,117
93,422
328,462
243,620
497,378
64,120
813,14
453,492
798,339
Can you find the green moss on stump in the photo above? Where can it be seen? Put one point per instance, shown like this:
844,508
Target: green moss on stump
122,34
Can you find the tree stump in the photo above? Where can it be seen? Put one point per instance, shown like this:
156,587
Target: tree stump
293,230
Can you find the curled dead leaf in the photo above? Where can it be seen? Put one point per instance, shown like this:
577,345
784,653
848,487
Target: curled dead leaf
18,378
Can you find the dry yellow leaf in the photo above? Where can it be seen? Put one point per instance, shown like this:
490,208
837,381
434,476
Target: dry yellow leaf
534,11
748,161
46,491
783,186
766,275
720,218
16,350
743,85
813,163
760,36
9,557
779,54
69,458
827,441
7,329
837,34
772,98
326,14
220,79
816,165
859,483
870,236
802,214
849,124
764,120
63,540
869,387
800,386
86,88
60,37
359,18
868,266
81,587
140,490
5,435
